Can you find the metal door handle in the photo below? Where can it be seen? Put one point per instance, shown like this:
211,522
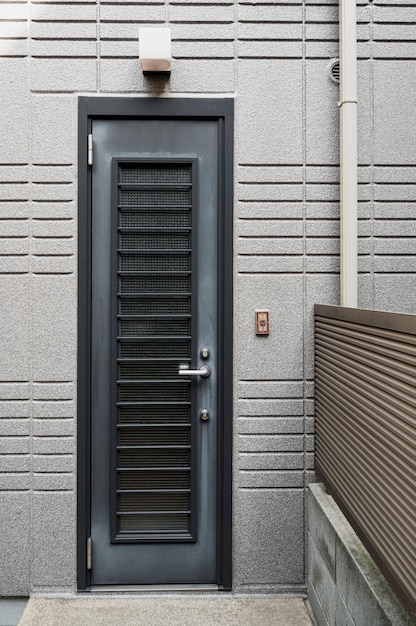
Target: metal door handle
203,371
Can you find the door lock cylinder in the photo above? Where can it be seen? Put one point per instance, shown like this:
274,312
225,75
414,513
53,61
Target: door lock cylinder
204,415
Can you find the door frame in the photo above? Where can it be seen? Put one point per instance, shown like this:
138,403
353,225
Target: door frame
221,110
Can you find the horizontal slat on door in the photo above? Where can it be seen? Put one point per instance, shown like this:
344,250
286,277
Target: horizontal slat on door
365,386
154,413
133,370
157,305
155,239
161,218
162,457
150,524
136,196
148,479
169,434
155,327
152,284
144,348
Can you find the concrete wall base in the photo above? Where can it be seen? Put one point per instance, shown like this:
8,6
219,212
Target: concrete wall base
345,587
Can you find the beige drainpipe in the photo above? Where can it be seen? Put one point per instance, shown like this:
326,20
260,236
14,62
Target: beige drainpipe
348,153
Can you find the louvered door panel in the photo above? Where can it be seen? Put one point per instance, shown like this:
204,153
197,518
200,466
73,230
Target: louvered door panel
153,496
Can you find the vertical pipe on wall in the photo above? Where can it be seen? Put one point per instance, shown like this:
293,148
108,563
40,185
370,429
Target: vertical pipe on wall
348,152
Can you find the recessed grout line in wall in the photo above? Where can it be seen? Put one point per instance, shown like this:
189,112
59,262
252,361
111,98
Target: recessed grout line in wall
235,7
304,199
98,49
371,9
30,307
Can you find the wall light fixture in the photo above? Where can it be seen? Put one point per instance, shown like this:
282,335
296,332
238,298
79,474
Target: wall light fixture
155,49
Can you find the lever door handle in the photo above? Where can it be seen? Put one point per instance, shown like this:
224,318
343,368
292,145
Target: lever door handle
203,371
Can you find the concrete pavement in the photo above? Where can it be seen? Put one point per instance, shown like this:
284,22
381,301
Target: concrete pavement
11,610
166,610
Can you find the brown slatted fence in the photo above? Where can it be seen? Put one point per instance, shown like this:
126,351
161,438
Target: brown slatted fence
365,394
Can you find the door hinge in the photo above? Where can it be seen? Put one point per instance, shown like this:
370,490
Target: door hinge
89,553
90,153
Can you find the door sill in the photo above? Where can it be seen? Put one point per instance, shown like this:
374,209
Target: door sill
153,588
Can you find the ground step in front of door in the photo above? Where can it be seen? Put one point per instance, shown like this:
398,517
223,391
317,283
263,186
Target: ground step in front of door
166,611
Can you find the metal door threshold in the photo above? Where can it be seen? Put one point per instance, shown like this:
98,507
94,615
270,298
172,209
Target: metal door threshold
154,588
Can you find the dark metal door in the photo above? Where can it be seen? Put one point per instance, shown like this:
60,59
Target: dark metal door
154,315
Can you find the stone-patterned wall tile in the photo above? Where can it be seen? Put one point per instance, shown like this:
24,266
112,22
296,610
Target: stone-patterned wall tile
53,134
54,344
279,355
282,109
54,526
49,75
322,116
269,545
15,560
14,111
394,115
14,329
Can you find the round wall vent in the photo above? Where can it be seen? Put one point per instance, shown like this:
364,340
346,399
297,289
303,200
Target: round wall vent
333,70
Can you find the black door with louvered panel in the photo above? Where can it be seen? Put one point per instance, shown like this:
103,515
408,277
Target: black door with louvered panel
154,317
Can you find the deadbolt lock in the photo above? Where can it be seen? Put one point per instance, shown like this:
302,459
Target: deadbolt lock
204,415
205,353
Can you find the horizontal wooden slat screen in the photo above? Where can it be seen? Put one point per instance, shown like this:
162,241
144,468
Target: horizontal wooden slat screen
365,412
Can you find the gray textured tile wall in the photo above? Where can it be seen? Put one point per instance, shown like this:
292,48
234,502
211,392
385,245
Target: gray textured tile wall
387,207
274,58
